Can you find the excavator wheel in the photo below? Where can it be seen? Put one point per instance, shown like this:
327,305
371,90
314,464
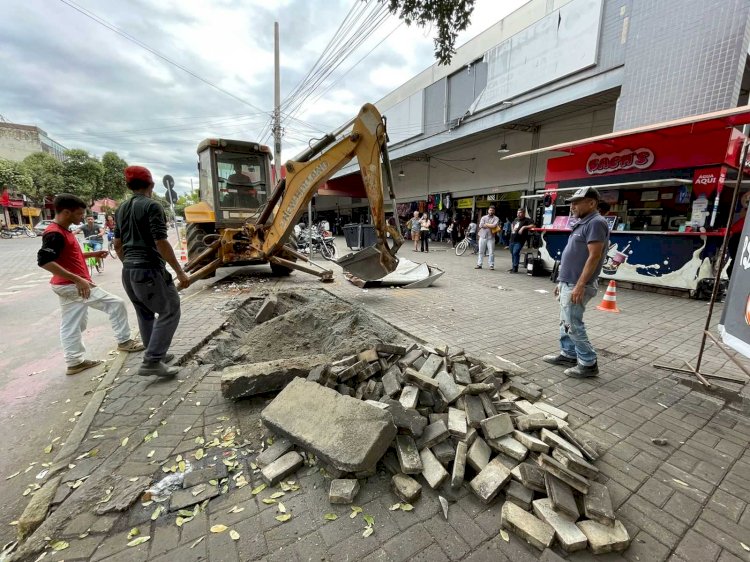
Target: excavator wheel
280,270
195,244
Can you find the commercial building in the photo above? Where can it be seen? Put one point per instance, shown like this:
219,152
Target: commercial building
551,72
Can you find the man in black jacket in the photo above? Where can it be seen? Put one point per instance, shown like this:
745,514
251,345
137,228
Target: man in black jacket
142,245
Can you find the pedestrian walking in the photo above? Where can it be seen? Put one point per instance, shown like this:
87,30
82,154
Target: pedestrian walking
442,227
414,226
580,265
424,233
455,233
62,256
487,237
519,235
142,245
506,232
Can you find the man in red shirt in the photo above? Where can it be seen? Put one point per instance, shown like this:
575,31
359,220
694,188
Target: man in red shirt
61,255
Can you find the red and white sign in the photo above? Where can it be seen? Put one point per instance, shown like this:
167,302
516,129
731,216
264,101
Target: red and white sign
706,180
627,159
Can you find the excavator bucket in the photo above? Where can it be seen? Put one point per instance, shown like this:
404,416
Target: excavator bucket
369,264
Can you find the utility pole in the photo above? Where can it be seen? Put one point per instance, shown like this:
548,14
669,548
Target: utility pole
276,103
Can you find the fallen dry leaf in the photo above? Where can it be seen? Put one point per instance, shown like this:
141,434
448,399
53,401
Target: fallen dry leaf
283,518
281,508
330,517
234,534
236,509
367,532
218,528
123,443
255,491
504,534
139,540
197,542
59,545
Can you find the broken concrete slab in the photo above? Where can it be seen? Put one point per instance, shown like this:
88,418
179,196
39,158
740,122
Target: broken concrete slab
474,411
343,491
344,432
353,371
526,407
597,504
432,435
390,349
420,381
36,510
509,446
533,530
432,365
575,463
448,388
190,496
497,426
267,309
490,480
282,467
409,396
368,355
570,537
554,440
408,455
406,488
550,409
280,447
457,426
526,389
241,381
459,465
124,495
574,480
530,442
444,451
432,471
603,539
391,381
519,495
561,496
320,374
479,454
477,388
195,477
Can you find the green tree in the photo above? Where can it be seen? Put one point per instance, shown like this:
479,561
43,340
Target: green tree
14,177
83,174
46,172
450,17
113,182
185,201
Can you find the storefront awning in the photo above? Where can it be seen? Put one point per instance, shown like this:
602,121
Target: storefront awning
350,185
696,124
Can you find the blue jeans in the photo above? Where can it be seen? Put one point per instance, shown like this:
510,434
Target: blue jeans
515,253
574,343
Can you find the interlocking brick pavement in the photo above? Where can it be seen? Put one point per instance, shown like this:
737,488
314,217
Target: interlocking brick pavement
687,500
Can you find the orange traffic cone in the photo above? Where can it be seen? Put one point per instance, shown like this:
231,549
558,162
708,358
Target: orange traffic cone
609,302
183,255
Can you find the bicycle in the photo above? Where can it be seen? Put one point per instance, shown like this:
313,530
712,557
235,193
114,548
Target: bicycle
465,243
110,245
92,263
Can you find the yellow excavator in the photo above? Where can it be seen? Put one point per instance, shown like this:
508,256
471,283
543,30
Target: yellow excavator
238,222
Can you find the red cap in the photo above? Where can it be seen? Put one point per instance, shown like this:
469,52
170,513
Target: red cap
137,173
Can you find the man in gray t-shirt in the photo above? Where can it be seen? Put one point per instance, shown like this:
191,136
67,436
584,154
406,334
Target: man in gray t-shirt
580,265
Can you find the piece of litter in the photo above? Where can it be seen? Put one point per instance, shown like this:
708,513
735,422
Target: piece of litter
444,503
541,291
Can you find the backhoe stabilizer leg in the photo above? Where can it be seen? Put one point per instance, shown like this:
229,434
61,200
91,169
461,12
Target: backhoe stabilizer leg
324,274
207,253
206,270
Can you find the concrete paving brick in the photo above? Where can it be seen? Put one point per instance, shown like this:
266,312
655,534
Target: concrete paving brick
603,539
570,537
533,530
683,508
478,454
488,483
645,548
694,546
407,544
432,471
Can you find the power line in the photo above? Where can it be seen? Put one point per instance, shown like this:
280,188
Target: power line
112,27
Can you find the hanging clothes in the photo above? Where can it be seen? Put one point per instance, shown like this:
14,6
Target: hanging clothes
447,201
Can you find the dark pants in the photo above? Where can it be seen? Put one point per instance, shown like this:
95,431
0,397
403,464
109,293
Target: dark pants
424,241
157,306
515,252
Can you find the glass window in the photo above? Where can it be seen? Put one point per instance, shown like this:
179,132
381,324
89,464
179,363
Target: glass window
242,180
205,181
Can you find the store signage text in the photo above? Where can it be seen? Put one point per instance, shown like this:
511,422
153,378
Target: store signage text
639,159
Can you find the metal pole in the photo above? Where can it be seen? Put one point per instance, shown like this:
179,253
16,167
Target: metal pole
717,277
309,228
276,103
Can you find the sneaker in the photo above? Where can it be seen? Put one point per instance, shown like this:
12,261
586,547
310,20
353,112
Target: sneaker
477,267
82,366
582,371
158,369
511,270
559,359
492,267
168,358
130,346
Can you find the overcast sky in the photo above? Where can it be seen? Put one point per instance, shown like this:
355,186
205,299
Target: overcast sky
90,88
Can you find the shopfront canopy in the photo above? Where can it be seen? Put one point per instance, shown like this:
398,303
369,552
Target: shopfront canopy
691,142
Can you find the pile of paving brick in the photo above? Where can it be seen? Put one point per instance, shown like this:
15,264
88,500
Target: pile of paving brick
450,419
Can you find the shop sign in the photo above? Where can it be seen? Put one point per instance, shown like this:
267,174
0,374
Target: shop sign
638,159
465,203
706,180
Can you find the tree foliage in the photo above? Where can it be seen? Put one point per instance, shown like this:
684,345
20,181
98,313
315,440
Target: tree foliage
46,173
83,174
450,17
113,179
14,177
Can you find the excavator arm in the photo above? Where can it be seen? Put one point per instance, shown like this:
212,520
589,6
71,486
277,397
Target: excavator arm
267,238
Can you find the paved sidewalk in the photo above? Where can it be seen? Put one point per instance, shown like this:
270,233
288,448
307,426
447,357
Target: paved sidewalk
687,500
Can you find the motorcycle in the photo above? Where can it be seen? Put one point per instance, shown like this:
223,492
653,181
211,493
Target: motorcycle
321,243
6,232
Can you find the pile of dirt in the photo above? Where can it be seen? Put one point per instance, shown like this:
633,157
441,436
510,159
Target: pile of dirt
305,322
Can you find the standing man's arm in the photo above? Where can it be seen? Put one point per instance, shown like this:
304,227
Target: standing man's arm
158,226
596,249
